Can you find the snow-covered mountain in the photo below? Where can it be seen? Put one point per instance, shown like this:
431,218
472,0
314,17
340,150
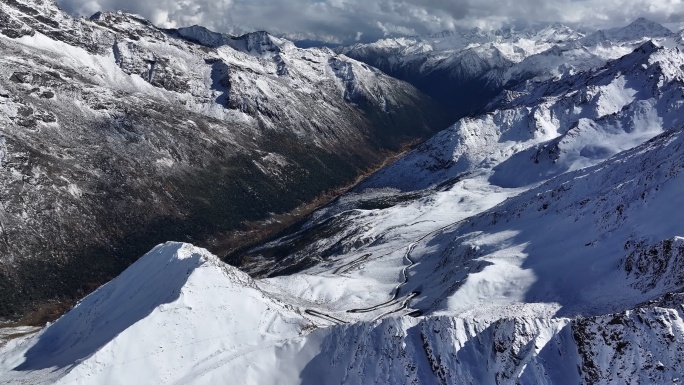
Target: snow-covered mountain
465,69
116,135
558,126
544,234
162,309
526,138
537,242
488,300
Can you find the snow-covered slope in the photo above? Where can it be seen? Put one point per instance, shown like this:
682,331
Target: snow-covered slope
585,244
573,242
437,235
555,127
177,315
116,135
569,246
594,241
180,316
562,125
528,137
637,346
494,292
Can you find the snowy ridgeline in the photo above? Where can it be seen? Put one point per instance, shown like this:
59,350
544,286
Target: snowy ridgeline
490,288
507,56
180,316
483,63
256,79
559,126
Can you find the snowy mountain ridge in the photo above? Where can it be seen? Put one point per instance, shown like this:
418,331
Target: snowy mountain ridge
558,126
437,50
155,304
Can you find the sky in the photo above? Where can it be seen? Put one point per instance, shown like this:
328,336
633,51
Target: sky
345,21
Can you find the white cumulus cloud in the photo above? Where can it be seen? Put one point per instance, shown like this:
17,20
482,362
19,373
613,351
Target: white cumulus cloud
349,20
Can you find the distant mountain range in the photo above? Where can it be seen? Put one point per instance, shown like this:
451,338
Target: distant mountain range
464,70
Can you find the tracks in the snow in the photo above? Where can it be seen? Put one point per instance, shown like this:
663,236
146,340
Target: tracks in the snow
324,316
348,266
396,299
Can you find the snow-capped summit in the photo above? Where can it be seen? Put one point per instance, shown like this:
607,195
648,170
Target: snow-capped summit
258,43
203,36
639,30
176,311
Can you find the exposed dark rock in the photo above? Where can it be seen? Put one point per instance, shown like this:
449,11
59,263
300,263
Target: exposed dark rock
101,164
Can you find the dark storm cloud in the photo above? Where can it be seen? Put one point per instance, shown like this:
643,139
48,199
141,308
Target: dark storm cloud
346,20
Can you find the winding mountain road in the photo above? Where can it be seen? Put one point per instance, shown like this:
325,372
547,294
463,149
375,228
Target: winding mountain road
404,301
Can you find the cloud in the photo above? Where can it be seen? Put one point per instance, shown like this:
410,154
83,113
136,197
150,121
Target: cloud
214,14
349,20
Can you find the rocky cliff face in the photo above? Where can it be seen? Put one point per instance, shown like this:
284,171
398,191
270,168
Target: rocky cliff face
117,135
636,346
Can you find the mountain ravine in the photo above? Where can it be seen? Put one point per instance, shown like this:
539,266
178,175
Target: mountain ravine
116,135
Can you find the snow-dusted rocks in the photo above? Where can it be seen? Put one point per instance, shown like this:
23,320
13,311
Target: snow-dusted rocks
642,346
118,135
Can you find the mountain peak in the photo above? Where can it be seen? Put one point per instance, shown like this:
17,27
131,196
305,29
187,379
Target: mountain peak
201,35
641,28
259,42
642,21
119,17
176,295
165,275
647,25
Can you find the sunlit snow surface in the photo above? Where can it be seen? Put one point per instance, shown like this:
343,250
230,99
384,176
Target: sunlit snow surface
181,316
502,281
178,315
